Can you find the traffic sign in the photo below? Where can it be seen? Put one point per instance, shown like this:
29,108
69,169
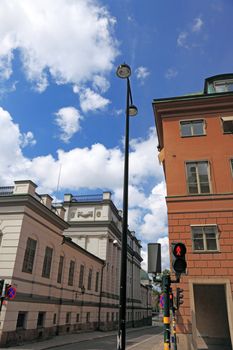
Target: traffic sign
11,292
161,301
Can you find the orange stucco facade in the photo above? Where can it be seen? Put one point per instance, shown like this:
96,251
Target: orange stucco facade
208,268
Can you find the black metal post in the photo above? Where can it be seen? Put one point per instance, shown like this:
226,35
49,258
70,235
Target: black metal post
121,339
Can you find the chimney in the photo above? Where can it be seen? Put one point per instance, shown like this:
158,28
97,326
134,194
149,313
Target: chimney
25,187
46,200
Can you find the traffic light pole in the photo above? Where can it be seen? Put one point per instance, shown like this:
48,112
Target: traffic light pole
174,339
166,283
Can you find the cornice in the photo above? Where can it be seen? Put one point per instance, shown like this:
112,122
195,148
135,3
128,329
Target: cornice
26,200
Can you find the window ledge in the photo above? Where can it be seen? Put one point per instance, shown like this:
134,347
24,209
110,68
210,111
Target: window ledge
183,136
206,252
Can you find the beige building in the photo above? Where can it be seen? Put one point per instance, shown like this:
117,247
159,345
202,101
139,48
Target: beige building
65,269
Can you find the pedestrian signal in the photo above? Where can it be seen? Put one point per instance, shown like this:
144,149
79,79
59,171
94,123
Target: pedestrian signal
178,258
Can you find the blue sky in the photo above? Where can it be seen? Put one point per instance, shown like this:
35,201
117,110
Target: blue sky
62,106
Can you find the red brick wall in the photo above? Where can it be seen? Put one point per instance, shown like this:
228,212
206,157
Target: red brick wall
203,265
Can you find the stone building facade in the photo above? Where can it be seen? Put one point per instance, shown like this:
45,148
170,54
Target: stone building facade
61,285
196,151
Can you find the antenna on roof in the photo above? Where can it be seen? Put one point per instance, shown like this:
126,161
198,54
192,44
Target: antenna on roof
59,177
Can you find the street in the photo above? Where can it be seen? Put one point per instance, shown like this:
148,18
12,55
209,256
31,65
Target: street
140,339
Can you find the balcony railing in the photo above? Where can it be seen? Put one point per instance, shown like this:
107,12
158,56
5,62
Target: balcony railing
6,191
88,198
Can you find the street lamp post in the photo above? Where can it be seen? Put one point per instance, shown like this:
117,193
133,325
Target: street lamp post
124,72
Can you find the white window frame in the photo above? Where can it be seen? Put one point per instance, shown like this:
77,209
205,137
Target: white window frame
226,119
191,121
205,250
198,180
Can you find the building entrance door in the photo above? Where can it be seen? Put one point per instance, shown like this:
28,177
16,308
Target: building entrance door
212,326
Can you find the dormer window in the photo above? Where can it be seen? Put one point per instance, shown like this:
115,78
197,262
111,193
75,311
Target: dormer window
223,85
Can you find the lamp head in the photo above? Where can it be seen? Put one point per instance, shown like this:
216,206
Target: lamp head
123,71
133,111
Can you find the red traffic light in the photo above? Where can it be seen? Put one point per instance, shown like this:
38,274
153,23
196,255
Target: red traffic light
179,250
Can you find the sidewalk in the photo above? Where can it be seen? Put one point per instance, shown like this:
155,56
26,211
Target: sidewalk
68,339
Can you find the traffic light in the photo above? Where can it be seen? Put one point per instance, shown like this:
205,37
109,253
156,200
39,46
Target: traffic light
171,299
1,287
179,297
178,258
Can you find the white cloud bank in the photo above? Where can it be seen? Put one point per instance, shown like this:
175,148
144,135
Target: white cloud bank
57,39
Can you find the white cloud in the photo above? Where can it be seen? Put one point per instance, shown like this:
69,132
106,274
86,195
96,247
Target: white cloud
27,139
185,38
71,41
90,100
100,83
142,73
197,25
143,160
182,40
171,73
68,120
155,221
12,161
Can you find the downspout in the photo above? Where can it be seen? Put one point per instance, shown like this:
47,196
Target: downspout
100,295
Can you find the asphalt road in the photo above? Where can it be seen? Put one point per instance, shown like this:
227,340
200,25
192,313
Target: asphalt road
138,340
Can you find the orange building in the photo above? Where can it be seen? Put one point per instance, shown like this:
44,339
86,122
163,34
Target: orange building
195,135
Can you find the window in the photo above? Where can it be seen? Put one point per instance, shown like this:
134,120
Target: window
205,238
88,317
68,317
223,86
71,273
97,282
77,318
89,279
47,262
198,177
192,127
60,268
1,236
231,160
107,317
21,320
29,255
112,316
40,319
227,124
54,318
81,276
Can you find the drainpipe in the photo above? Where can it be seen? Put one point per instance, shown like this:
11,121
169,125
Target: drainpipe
100,295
